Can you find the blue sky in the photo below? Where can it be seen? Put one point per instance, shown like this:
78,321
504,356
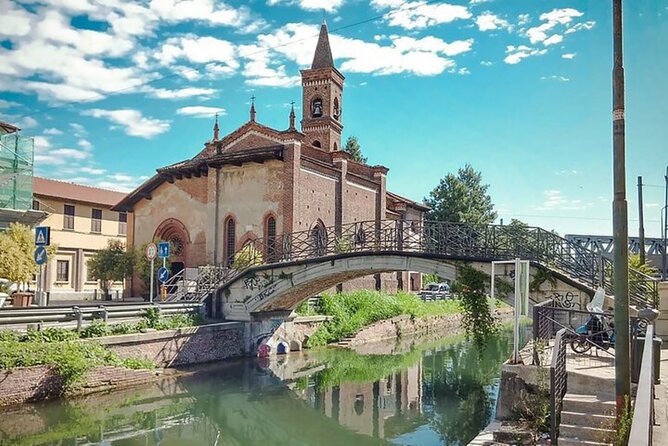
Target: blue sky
521,89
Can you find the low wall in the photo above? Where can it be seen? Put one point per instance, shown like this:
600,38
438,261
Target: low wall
192,345
405,325
28,384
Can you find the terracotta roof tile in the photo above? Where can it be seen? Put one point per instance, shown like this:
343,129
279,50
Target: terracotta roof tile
76,192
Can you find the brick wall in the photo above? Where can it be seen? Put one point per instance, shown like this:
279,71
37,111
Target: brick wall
38,383
184,346
405,325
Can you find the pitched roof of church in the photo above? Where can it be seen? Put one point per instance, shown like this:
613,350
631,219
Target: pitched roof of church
323,53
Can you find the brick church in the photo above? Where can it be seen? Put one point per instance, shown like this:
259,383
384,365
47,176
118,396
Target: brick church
259,182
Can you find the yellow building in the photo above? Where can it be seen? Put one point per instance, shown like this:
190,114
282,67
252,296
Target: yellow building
82,223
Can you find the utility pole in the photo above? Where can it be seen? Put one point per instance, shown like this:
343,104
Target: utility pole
620,223
641,228
664,262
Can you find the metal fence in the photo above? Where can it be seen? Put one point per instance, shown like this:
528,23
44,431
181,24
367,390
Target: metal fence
643,413
558,381
78,316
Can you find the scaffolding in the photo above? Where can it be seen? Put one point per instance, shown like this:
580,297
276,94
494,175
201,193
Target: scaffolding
16,172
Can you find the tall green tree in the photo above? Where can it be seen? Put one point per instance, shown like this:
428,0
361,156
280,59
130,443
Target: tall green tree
17,247
112,264
461,198
354,150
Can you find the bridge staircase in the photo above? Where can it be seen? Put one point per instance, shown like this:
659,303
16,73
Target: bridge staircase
584,268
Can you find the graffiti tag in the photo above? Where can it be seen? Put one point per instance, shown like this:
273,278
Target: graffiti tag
256,283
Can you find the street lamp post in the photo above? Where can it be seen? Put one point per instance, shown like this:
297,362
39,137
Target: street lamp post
664,232
620,223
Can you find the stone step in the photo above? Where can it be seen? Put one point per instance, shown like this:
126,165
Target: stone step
584,403
565,441
585,433
588,419
586,384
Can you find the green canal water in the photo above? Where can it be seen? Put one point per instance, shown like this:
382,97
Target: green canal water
440,392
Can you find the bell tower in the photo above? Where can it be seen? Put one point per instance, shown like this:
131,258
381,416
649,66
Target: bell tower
322,102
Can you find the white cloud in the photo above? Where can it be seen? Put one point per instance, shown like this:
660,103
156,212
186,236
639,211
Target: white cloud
53,131
553,39
554,200
486,63
568,56
490,22
92,170
463,71
556,78
419,14
515,55
552,19
567,172
523,19
581,26
84,144
311,5
213,12
200,50
28,123
132,121
183,93
7,104
200,111
46,155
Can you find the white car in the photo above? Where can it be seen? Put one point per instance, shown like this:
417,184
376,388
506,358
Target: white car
436,291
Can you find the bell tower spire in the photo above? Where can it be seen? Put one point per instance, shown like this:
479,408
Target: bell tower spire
216,130
292,116
252,109
322,89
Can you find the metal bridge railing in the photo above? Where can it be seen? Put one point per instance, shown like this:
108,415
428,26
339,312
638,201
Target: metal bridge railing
456,241
558,382
643,408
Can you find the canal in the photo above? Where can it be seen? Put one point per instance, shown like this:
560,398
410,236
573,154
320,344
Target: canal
439,392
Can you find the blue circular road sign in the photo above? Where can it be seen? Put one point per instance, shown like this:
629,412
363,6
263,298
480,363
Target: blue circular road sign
40,255
163,274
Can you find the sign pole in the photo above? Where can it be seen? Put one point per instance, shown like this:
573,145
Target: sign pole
516,318
152,279
39,287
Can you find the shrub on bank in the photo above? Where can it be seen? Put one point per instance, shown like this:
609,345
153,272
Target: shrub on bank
353,311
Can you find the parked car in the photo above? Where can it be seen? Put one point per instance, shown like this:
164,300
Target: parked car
436,291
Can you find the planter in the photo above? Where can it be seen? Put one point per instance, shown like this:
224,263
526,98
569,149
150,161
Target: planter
22,299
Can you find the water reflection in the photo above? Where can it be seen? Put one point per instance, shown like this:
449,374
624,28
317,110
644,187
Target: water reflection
441,392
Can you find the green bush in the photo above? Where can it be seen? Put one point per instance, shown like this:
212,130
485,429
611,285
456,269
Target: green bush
353,311
49,335
123,328
9,336
137,364
96,329
71,359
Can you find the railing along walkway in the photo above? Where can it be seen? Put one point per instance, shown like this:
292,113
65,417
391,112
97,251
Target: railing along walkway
449,241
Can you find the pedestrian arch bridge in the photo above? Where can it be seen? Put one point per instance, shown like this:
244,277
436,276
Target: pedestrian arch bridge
274,275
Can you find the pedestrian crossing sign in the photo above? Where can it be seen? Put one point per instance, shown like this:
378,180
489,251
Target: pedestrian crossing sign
42,236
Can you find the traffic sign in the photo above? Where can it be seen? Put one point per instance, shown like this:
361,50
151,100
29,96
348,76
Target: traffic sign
163,274
151,251
40,255
163,250
42,236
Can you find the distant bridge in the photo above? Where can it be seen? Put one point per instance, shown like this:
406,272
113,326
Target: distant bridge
604,244
277,273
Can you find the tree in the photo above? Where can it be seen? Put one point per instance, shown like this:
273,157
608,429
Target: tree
354,150
112,264
461,198
17,247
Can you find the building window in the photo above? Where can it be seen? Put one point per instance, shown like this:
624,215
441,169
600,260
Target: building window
68,218
317,144
122,223
35,205
271,238
63,271
319,239
96,221
230,240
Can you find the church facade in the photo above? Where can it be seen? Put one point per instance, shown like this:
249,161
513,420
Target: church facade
258,182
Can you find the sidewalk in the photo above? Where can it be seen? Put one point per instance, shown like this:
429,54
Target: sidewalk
660,435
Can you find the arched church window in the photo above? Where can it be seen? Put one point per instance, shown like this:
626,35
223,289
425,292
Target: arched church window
336,147
317,144
337,109
316,108
319,239
271,238
230,240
